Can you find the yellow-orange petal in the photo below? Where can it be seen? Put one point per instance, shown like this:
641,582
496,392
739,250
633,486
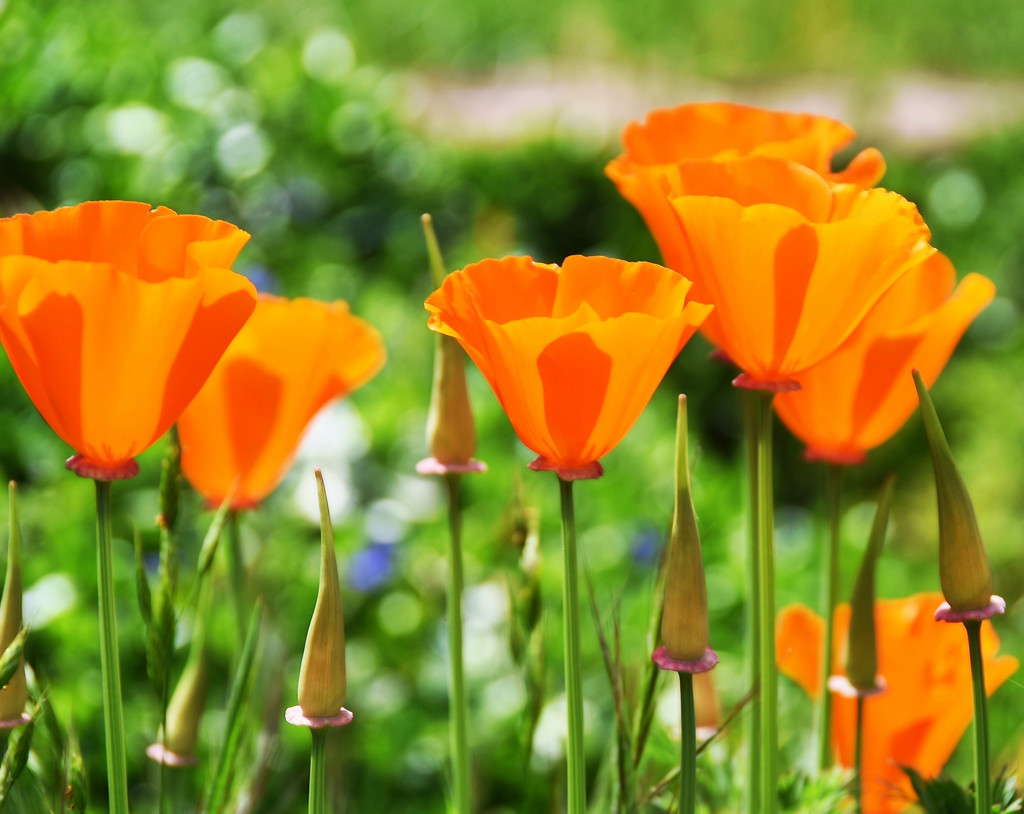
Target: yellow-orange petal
859,396
240,432
181,245
799,642
787,291
723,130
110,360
573,354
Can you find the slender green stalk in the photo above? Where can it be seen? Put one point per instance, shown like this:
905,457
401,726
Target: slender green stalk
318,772
982,789
458,732
751,423
688,761
767,780
577,769
830,587
858,756
110,663
236,573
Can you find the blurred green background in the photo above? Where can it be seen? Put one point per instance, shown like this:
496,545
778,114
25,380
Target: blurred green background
325,130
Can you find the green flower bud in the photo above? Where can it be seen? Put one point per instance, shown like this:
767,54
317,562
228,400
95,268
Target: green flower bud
185,710
684,623
862,650
14,696
322,676
451,434
964,571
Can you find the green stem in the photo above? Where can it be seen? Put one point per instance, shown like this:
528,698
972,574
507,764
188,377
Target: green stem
318,772
767,783
458,732
858,756
982,790
110,663
751,412
830,587
688,761
236,574
577,770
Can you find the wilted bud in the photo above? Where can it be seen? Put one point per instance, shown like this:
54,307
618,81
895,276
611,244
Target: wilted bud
964,570
451,434
684,623
14,696
322,676
862,651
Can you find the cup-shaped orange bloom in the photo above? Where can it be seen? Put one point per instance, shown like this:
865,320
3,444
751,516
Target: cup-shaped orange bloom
113,314
573,353
240,433
927,705
723,132
791,262
858,397
720,131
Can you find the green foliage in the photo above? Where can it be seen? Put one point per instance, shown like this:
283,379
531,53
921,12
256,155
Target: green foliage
943,795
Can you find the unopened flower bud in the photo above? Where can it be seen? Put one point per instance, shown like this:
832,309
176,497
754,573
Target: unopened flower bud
14,696
451,434
322,676
862,650
684,623
185,710
964,571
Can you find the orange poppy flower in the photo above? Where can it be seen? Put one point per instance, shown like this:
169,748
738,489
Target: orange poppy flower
719,131
574,353
858,397
291,358
927,704
113,314
791,262
722,132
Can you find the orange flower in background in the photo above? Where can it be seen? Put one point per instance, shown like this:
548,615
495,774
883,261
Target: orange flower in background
719,131
722,132
791,262
574,353
113,314
292,357
858,397
927,705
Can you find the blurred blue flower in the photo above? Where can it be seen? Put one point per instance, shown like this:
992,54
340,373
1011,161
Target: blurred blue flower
646,547
372,567
263,278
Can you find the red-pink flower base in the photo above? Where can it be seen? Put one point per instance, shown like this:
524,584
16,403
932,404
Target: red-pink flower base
14,723
161,754
85,468
296,717
432,466
841,685
748,382
701,665
569,473
996,605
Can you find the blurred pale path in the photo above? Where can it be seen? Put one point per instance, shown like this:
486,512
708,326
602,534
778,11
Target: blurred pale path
912,112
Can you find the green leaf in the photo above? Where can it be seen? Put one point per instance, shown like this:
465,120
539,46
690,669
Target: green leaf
220,785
